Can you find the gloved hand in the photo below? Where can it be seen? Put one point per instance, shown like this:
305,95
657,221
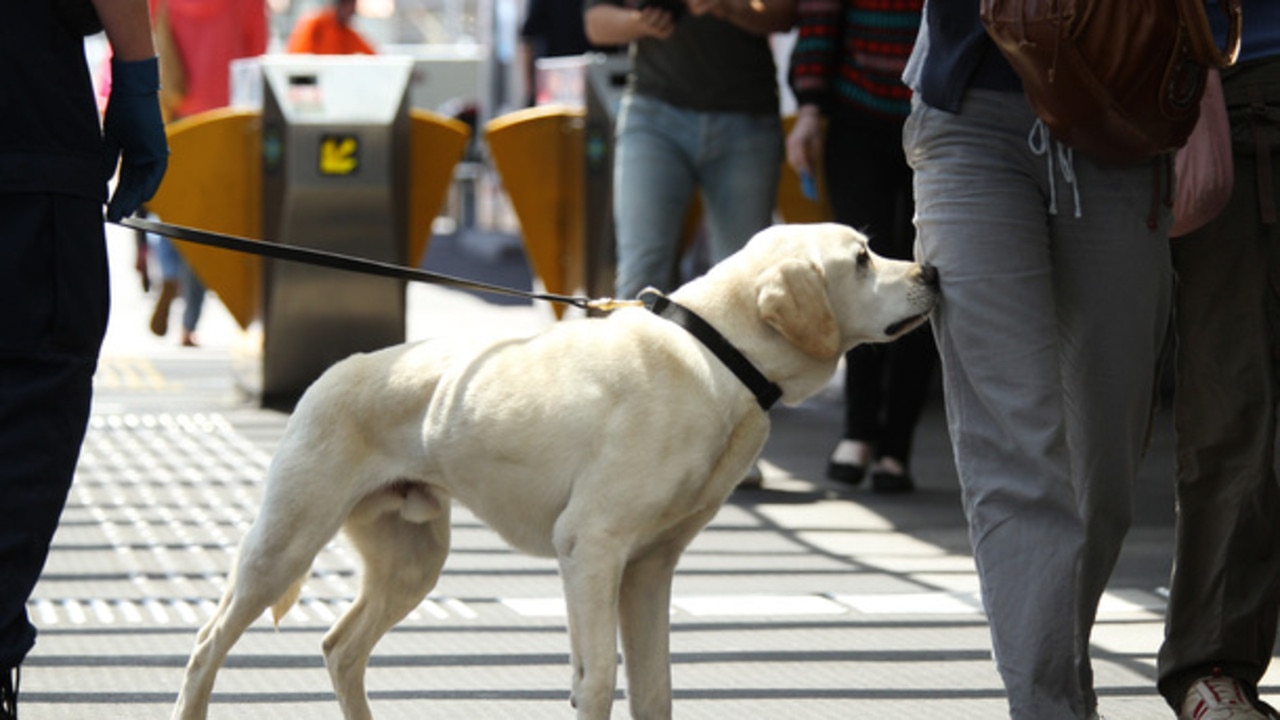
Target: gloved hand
133,135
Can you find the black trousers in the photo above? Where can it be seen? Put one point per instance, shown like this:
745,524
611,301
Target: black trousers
54,301
870,187
1225,590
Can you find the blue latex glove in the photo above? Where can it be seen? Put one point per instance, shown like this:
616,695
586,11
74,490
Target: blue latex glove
133,135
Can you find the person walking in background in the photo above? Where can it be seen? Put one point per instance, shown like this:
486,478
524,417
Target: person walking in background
1056,292
551,28
846,69
1224,599
700,110
176,279
206,35
328,31
55,161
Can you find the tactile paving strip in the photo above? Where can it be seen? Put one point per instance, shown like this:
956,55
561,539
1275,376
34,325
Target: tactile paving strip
161,500
130,373
159,504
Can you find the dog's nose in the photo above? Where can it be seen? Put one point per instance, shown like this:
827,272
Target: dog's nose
929,275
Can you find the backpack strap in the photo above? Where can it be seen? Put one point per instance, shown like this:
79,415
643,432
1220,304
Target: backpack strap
1200,34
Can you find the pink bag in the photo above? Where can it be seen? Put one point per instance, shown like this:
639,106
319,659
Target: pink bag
1204,167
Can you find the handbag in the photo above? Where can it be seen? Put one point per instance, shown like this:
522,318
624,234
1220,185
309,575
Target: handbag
1119,80
1204,168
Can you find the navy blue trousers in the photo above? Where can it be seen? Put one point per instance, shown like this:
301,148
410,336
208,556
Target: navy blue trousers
54,301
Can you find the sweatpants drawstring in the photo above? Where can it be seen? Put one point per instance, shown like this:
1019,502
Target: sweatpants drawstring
1041,143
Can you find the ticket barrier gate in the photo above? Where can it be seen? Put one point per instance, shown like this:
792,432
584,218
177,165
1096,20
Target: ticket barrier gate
334,160
556,163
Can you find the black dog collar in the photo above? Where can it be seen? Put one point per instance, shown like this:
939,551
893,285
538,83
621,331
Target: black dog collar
767,393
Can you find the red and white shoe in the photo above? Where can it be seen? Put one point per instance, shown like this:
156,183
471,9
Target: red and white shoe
1218,697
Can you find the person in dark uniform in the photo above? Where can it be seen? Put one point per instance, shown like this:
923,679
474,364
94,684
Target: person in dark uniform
55,163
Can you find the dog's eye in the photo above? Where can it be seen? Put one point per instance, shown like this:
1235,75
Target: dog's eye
864,258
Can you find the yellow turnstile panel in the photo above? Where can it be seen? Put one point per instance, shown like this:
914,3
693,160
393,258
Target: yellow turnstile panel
214,182
436,144
538,152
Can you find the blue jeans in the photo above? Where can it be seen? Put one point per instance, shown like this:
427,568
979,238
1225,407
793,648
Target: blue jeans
1055,307
174,267
662,154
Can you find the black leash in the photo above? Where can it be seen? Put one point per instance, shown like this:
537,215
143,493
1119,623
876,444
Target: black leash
766,391
349,263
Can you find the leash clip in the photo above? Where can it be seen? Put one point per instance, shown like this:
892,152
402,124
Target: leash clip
611,304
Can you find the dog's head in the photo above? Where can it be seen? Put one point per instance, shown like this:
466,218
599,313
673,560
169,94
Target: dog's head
797,297
822,288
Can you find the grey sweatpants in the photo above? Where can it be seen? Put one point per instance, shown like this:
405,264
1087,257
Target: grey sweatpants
1055,306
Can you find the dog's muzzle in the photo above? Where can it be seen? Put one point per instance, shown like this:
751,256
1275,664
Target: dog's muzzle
925,295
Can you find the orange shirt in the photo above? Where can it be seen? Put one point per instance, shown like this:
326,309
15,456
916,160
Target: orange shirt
320,33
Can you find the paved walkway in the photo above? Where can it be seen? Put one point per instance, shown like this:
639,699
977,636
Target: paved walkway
801,600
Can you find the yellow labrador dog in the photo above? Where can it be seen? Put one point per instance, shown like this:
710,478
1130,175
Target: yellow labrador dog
552,440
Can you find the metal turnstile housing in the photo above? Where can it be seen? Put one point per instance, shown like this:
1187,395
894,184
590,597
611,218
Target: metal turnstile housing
334,177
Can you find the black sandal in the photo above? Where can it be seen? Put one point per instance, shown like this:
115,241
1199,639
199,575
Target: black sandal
891,483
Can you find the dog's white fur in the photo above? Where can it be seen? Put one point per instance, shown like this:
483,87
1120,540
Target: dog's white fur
605,443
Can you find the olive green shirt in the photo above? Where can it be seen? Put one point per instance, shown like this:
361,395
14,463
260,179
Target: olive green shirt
707,65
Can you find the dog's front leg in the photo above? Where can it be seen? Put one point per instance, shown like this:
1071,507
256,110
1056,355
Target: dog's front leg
645,620
591,570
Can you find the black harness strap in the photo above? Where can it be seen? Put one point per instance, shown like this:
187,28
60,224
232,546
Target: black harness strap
767,392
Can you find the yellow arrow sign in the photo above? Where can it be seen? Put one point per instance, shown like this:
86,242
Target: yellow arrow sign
339,154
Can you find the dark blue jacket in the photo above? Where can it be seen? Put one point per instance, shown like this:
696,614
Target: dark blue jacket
50,138
960,56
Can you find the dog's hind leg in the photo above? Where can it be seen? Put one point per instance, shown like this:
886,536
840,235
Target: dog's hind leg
258,581
272,560
402,561
213,642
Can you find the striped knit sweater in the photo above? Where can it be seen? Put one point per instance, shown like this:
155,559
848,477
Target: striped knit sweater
850,54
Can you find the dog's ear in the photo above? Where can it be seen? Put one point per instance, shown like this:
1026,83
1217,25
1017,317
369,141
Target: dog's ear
792,299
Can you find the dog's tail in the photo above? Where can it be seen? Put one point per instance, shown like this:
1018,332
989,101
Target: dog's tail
286,601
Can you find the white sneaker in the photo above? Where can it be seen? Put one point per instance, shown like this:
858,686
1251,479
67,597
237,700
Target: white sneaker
1218,697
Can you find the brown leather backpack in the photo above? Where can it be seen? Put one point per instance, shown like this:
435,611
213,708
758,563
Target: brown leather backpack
1118,80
